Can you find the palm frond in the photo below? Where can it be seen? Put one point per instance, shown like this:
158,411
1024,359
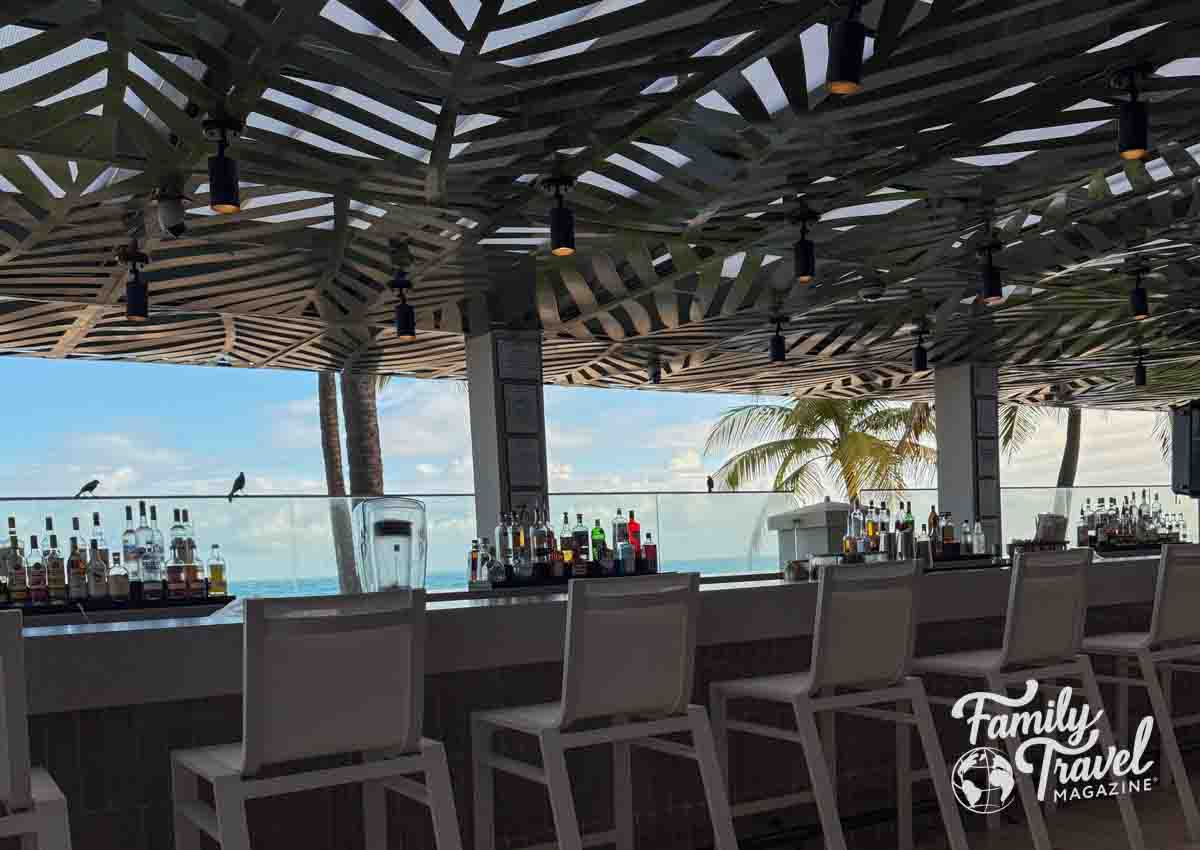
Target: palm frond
1018,424
1162,435
747,423
756,463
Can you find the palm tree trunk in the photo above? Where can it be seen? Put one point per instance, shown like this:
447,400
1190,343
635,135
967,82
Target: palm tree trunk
335,484
1070,459
362,435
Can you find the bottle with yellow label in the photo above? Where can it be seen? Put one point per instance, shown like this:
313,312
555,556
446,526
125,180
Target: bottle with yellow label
216,573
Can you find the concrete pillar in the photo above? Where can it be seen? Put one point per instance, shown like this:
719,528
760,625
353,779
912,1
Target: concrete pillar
508,423
968,443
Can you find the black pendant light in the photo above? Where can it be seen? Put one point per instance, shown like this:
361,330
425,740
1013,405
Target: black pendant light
1139,372
920,361
223,189
806,256
137,293
654,372
778,344
1133,128
562,219
406,316
1139,301
847,40
991,287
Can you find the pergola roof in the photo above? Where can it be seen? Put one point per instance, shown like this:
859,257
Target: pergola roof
700,133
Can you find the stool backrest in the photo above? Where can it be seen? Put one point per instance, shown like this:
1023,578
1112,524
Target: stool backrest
631,645
14,760
866,619
332,674
1177,595
1047,604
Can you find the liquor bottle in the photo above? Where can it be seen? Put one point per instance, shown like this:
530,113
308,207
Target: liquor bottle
18,579
9,554
174,567
97,572
120,587
39,594
978,539
503,552
599,544
150,568
885,520
485,559
566,541
651,553
539,544
966,537
195,576
145,536
634,532
56,567
932,522
178,537
156,537
98,536
189,536
870,530
77,571
473,561
620,529
582,541
909,519
217,576
129,550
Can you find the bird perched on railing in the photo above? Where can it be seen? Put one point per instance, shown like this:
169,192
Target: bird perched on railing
89,488
709,482
239,484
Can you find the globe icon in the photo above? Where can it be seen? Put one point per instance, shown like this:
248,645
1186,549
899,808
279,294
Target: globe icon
983,781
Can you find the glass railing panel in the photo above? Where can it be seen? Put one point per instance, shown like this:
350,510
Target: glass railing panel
721,533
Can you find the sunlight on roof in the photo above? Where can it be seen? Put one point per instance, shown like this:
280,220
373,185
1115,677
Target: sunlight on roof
265,122
666,154
863,210
814,41
1158,169
350,20
6,186
935,128
283,198
1125,38
716,101
429,26
1089,103
1009,92
12,35
661,85
1042,134
381,110
1186,67
636,167
993,160
733,265
766,85
722,45
606,183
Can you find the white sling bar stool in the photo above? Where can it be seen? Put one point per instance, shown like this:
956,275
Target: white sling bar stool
33,804
1174,635
324,675
1043,636
862,646
627,675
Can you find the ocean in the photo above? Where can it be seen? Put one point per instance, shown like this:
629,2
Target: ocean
446,580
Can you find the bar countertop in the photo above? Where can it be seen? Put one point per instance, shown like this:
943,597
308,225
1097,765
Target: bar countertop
96,665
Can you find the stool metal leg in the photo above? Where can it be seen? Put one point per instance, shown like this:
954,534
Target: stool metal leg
623,794
1029,800
441,796
484,792
1133,829
1170,745
714,783
936,761
718,707
558,783
374,803
231,816
904,782
818,770
184,789
1167,675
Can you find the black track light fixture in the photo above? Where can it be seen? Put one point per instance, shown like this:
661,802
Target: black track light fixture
806,256
778,344
1133,127
991,287
562,219
920,361
223,190
1139,372
406,316
137,293
847,40
654,372
1139,300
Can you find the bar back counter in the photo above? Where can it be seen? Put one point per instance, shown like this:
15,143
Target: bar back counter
109,701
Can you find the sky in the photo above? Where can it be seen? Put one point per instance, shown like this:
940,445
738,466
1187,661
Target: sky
187,431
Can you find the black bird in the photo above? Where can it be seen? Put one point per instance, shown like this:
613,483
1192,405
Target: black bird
88,488
239,484
710,483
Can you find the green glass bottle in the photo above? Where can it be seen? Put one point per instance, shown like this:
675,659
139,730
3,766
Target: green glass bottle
598,544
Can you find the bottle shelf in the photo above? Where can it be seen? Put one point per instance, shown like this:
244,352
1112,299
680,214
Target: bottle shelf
110,605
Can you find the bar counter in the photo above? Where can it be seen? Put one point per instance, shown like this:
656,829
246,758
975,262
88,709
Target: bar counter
109,700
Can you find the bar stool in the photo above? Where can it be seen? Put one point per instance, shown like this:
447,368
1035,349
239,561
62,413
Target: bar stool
627,672
33,804
323,675
1043,636
862,646
1174,635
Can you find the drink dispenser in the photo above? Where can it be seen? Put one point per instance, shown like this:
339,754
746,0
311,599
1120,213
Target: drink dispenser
391,543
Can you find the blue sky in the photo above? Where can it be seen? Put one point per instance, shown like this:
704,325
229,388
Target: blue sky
154,429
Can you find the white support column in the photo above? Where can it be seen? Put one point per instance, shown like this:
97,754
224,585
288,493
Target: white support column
508,423
968,443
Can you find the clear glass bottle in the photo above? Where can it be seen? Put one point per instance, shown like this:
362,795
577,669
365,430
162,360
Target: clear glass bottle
56,567
97,572
77,571
39,593
156,537
965,538
18,577
118,579
539,542
177,586
978,539
129,550
149,566
217,575
503,542
566,541
189,536
620,529
9,555
98,536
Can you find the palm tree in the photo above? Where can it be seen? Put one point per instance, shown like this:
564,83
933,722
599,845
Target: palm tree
335,483
802,444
